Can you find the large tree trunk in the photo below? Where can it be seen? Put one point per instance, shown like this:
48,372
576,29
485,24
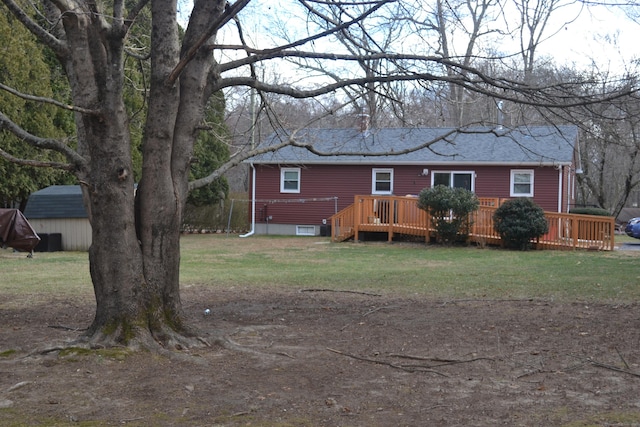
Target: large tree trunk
135,253
125,304
160,208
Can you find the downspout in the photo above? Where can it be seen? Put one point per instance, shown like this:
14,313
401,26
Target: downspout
253,168
253,203
560,185
569,189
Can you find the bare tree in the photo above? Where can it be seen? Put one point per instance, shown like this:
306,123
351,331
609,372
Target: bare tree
135,257
474,24
378,32
534,28
610,154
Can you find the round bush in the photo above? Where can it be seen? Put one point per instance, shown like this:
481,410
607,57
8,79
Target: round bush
449,209
518,221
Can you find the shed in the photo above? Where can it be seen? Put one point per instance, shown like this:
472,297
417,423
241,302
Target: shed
59,209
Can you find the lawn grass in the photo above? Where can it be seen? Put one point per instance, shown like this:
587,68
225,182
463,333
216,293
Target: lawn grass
221,261
414,269
623,238
60,273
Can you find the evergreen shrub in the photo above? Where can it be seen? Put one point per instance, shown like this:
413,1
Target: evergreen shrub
449,209
518,221
590,211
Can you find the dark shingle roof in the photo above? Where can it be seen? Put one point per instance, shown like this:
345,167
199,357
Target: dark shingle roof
538,145
57,201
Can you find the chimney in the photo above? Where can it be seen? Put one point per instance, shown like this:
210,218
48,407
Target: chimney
500,115
363,122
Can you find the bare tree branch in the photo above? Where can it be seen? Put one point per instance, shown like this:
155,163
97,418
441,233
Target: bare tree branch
230,12
35,163
48,101
44,143
43,35
276,51
135,10
482,84
293,141
235,160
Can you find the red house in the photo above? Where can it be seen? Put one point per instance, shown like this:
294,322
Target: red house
296,189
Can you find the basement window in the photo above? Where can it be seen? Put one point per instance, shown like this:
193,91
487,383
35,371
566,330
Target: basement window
305,230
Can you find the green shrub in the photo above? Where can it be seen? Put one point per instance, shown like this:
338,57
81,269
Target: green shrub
590,211
518,221
449,209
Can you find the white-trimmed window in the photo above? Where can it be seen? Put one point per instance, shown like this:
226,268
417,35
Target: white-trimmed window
457,179
290,180
382,181
521,183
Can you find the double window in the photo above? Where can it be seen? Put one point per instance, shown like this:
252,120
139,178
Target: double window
290,180
521,183
382,181
453,179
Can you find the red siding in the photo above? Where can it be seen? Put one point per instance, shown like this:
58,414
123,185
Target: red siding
343,182
546,188
494,181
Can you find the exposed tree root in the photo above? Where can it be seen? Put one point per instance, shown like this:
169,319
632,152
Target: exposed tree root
440,361
613,368
66,328
414,367
229,344
406,368
341,291
164,341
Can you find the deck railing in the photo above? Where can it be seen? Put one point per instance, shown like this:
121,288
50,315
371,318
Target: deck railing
401,215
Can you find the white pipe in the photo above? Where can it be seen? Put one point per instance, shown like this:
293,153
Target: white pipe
570,189
579,170
253,203
560,185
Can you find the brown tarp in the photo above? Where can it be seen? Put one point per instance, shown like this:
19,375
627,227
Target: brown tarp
16,232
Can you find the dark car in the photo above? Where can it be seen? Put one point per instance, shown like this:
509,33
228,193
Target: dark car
633,227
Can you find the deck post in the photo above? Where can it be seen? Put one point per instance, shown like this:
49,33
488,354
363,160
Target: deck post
612,234
390,219
333,224
357,202
574,231
334,232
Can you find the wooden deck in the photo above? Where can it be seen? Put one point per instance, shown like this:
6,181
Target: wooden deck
401,216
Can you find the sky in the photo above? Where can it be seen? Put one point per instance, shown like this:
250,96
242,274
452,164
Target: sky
606,35
571,42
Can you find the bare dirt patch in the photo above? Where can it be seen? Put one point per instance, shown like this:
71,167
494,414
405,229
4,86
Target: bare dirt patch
335,359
